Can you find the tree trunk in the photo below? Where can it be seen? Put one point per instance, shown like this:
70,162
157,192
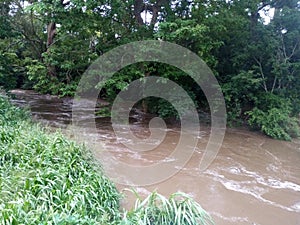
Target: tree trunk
155,10
139,7
51,32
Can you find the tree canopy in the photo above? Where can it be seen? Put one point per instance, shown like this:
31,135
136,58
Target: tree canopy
253,47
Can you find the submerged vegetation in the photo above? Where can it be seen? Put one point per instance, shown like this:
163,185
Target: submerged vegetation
47,179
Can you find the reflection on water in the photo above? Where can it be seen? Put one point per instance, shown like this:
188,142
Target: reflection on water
253,180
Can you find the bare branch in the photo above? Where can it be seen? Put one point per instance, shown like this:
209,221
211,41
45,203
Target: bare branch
294,50
262,74
274,83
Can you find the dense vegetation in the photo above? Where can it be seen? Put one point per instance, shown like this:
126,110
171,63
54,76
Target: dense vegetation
47,45
47,179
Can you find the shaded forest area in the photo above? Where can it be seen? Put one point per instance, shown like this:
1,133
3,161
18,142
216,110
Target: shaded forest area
253,48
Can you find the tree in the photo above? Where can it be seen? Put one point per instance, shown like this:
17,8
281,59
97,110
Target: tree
263,69
48,44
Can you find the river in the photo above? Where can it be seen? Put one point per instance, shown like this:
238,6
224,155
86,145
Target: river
253,180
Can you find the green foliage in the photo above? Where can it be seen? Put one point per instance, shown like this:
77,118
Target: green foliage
18,40
273,117
247,55
165,109
121,80
5,25
179,208
192,35
47,179
8,77
10,115
43,83
237,95
37,73
104,111
159,106
162,107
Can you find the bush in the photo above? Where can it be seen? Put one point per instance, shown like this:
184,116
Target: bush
273,117
46,84
9,70
237,95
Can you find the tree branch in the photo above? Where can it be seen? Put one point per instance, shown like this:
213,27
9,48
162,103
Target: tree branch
139,7
261,73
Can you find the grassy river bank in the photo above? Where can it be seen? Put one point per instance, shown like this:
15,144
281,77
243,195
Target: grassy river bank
47,179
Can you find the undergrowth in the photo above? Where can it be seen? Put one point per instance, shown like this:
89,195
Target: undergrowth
47,179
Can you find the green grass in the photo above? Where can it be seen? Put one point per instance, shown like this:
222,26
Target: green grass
156,209
48,179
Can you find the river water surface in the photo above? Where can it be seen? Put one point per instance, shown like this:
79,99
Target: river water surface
253,180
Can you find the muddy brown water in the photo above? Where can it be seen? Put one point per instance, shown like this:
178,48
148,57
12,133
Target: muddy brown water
253,180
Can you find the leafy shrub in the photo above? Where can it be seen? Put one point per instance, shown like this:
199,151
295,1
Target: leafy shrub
45,83
161,107
237,95
9,70
11,115
273,117
37,73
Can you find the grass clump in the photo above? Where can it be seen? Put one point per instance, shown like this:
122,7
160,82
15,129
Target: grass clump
156,209
47,179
